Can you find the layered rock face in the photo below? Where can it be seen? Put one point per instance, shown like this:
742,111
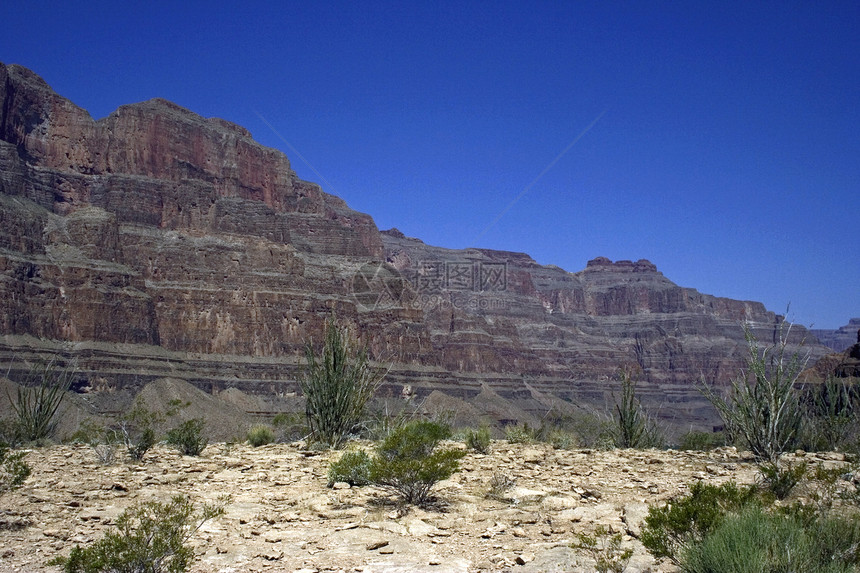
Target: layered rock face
155,242
838,339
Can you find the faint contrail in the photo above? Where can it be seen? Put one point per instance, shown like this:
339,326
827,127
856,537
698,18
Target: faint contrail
329,188
536,179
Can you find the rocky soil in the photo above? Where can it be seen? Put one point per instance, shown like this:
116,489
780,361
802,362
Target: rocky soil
283,517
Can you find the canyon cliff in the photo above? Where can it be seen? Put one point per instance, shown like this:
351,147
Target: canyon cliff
156,243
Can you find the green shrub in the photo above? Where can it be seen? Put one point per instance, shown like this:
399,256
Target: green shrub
188,437
408,463
478,440
605,549
701,441
137,429
673,528
634,427
517,434
260,435
38,400
763,409
13,469
147,538
337,385
352,467
758,541
780,480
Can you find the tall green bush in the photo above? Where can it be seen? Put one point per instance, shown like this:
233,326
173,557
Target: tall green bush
38,399
337,384
634,427
832,411
763,409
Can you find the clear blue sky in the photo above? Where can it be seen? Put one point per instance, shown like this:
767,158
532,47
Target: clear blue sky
726,146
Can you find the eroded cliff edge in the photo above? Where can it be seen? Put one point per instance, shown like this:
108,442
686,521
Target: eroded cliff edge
154,242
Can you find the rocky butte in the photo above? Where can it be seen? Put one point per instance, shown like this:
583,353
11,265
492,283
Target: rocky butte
155,243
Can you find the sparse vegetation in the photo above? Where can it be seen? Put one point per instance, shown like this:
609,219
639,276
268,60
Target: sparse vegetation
759,540
478,440
147,538
605,548
137,429
832,415
701,441
13,469
101,439
634,428
731,528
763,410
337,385
520,434
37,401
289,427
188,437
260,435
780,480
500,484
406,462
671,529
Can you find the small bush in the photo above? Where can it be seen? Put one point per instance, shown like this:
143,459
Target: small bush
352,467
137,429
478,440
701,441
101,439
605,549
520,434
13,469
780,480
408,462
561,439
146,538
499,484
260,435
337,385
673,528
188,437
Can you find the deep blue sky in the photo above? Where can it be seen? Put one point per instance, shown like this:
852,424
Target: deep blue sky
727,152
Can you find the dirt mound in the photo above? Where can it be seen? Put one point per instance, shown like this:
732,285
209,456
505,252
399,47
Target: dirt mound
224,420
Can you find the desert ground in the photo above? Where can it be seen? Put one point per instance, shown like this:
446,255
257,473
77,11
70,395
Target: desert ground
283,517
